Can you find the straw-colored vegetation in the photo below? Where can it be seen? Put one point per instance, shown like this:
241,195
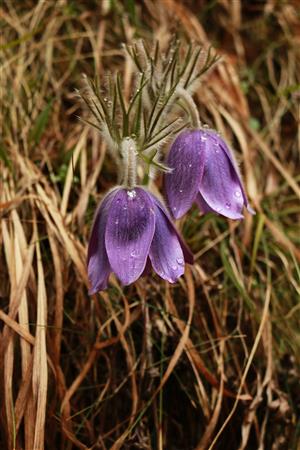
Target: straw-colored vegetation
209,363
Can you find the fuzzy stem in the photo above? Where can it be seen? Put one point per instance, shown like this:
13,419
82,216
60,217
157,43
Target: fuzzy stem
129,152
189,101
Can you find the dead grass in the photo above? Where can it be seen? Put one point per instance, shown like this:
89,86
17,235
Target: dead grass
209,363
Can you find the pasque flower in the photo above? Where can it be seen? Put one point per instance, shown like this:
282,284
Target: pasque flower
205,172
131,231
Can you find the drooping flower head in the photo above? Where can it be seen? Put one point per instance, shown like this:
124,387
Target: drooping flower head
205,172
131,231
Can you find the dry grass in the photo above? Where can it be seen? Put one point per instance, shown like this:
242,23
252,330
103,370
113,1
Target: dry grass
209,363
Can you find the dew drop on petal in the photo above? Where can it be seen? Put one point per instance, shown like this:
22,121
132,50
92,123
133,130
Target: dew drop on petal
117,221
227,204
180,261
174,267
237,193
190,165
203,137
131,194
181,190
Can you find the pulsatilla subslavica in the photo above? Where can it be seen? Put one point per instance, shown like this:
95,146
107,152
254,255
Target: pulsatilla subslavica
132,231
205,172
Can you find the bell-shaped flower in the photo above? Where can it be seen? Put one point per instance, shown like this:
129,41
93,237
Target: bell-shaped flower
131,231
205,172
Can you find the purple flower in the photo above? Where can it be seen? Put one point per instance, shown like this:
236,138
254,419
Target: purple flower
131,231
205,172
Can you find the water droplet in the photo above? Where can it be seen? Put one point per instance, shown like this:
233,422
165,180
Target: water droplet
174,208
227,204
124,207
219,209
118,200
203,137
180,261
181,190
174,267
109,103
131,194
134,254
117,221
190,165
105,99
237,193
205,125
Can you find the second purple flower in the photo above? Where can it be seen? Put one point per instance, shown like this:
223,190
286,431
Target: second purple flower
205,172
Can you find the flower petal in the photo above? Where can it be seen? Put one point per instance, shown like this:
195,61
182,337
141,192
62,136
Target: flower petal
186,158
129,232
188,255
166,254
97,260
218,141
203,206
220,186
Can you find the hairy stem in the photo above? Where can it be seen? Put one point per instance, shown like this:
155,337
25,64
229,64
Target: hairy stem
129,152
191,105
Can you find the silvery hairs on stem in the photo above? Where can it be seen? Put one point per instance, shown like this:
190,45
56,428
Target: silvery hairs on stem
159,108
